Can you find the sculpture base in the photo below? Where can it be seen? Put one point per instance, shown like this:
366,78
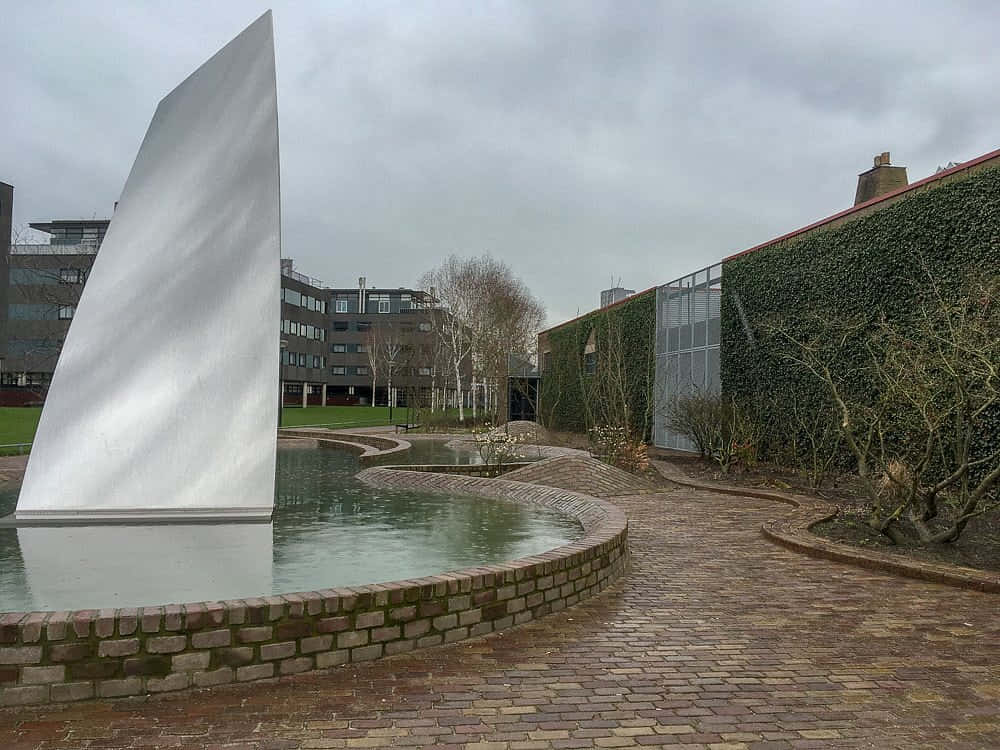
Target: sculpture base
136,517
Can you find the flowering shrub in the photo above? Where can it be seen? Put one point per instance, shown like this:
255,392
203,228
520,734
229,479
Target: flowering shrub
615,446
497,446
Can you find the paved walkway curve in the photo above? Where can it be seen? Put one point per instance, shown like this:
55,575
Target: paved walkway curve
717,639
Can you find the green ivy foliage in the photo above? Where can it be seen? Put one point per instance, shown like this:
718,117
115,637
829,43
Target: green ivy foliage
874,265
567,399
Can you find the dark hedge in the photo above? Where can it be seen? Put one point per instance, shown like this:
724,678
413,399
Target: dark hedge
872,265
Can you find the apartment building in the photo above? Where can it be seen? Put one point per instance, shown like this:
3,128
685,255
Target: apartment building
43,285
337,345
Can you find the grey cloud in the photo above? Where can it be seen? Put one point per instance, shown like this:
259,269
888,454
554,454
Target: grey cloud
579,141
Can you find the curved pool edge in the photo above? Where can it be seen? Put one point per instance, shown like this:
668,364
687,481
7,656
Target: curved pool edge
55,657
367,448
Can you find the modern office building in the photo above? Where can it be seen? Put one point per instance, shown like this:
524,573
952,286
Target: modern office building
331,339
373,329
304,330
43,286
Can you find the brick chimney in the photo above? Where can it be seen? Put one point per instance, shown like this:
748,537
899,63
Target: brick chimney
880,179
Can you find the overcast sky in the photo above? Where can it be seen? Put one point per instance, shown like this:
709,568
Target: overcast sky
581,142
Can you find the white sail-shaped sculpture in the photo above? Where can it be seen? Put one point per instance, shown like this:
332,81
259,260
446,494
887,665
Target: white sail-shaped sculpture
164,402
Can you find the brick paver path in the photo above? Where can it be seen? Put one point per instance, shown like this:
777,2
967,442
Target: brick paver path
717,639
581,474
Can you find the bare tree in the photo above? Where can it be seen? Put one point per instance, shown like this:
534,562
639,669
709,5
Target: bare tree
392,350
920,432
372,349
452,284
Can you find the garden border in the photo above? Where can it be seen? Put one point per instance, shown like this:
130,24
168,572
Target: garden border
793,532
53,657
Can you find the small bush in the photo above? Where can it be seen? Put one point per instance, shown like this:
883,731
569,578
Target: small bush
615,446
720,429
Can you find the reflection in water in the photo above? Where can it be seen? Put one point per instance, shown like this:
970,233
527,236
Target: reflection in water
130,566
328,530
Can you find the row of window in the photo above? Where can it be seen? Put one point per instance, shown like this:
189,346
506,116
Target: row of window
34,347
342,370
379,303
352,348
361,370
295,328
40,312
302,300
365,325
42,276
300,359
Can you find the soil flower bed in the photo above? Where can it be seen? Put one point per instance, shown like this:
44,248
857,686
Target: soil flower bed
978,547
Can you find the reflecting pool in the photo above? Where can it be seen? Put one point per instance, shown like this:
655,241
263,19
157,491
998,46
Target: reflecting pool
328,530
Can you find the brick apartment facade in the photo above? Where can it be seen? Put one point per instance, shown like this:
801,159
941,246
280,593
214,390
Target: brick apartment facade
327,338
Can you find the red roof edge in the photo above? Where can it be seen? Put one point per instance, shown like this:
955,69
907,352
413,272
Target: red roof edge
878,199
599,309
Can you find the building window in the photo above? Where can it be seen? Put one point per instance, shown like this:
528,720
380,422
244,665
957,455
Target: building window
364,325
361,370
293,388
383,305
31,276
338,348
31,312
317,361
341,305
590,363
340,325
362,348
70,275
424,371
424,327
66,312
302,360
338,370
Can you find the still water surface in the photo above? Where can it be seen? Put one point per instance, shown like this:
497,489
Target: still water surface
328,530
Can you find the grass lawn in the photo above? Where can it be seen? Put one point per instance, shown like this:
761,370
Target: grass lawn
18,424
340,416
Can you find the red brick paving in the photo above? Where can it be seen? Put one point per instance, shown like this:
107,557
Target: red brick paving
717,639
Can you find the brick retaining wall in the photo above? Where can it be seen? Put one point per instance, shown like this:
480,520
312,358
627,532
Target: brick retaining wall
471,470
70,656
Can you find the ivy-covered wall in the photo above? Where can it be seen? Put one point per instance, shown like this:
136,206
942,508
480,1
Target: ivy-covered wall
869,264
574,399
